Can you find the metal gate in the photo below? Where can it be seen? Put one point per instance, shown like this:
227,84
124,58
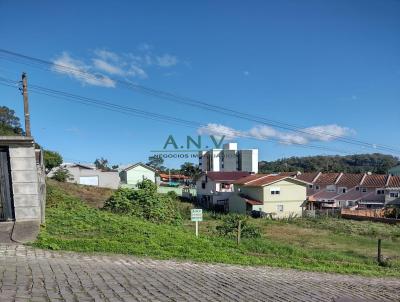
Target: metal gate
6,204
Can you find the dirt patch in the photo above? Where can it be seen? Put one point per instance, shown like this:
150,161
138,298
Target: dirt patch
94,196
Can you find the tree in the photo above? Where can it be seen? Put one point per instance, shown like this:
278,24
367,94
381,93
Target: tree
156,162
62,174
102,164
51,159
9,122
191,170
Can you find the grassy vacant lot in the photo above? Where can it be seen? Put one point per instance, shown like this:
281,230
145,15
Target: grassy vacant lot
329,245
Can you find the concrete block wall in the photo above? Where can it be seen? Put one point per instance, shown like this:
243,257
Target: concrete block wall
24,175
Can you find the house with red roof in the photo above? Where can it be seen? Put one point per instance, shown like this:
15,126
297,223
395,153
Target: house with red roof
342,190
277,195
392,191
214,188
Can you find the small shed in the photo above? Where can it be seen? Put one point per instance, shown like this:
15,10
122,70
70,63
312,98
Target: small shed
22,187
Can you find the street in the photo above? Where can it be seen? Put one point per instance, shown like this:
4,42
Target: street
29,274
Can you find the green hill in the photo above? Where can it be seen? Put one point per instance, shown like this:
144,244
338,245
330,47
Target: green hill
357,163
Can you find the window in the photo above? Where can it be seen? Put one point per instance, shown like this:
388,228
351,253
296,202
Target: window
394,194
279,207
317,187
342,190
380,192
357,188
330,188
364,190
225,186
275,191
310,186
203,185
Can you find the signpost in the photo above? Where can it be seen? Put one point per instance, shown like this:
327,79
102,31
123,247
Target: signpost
197,215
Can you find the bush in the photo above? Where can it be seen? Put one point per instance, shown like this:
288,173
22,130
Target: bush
173,195
230,225
145,203
62,174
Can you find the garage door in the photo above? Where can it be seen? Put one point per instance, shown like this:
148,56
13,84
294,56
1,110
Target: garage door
89,180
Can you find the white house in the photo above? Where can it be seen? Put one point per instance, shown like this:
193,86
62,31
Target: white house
214,188
135,173
229,159
88,174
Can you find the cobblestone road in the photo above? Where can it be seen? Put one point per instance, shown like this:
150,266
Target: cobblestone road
28,274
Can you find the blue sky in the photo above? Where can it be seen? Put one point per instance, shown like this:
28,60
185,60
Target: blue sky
323,65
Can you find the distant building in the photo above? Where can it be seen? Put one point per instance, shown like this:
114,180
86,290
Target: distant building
394,171
229,159
135,173
88,174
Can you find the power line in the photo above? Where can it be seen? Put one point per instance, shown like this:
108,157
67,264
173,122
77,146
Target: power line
145,114
36,62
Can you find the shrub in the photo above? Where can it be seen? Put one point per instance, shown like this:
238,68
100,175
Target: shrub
145,203
230,225
62,174
173,195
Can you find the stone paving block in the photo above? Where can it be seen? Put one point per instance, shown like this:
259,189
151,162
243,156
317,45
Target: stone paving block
28,274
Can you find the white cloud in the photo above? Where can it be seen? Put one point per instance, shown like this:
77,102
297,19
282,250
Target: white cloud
137,72
246,73
104,63
323,133
74,68
145,47
219,130
328,132
107,67
167,60
106,55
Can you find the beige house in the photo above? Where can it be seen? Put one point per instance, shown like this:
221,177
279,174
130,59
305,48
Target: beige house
276,195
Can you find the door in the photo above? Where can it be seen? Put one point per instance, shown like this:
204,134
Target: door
89,180
6,204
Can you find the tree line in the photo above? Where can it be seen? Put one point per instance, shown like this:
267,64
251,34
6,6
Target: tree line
356,163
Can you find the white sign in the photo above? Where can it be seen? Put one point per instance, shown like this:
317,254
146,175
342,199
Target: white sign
197,215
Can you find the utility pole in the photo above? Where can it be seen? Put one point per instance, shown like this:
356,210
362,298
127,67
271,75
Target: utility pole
26,105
